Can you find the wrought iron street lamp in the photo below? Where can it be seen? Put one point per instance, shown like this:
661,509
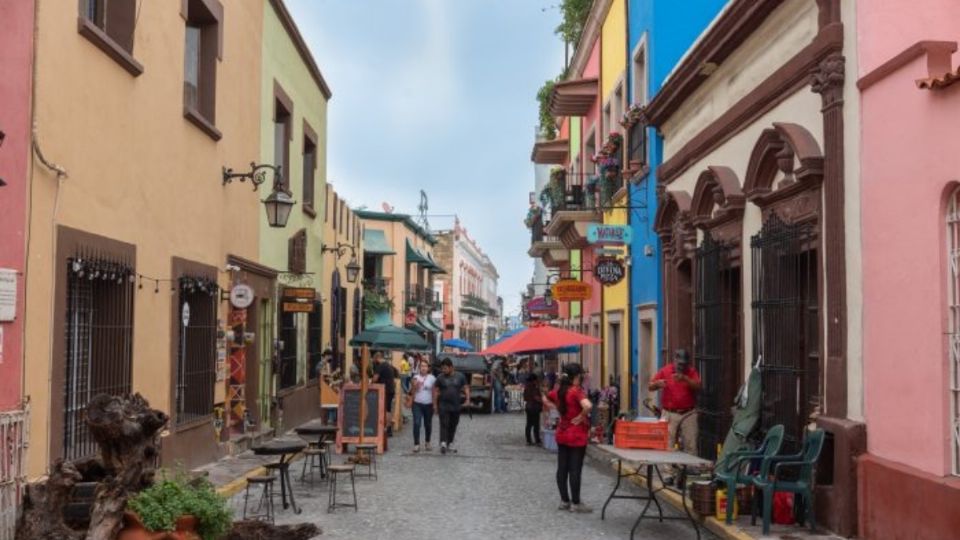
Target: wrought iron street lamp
353,267
279,203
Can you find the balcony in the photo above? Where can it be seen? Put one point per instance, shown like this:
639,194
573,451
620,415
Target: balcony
573,98
474,305
377,284
572,210
421,297
550,152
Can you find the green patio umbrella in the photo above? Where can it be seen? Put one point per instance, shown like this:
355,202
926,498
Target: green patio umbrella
390,337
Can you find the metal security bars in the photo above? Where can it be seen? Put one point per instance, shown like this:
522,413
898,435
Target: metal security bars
14,437
953,331
637,150
786,328
314,340
197,350
99,343
717,341
287,371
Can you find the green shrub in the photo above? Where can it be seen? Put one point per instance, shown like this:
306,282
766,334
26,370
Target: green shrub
161,504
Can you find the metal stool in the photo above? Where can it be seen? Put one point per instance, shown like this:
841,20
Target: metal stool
314,459
368,451
330,446
266,482
335,471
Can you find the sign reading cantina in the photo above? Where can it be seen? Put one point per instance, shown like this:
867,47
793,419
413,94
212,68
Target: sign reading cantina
609,270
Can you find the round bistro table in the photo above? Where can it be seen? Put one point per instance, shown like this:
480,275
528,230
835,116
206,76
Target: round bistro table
323,432
286,449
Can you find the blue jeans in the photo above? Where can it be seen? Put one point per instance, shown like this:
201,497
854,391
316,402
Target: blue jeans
499,398
422,414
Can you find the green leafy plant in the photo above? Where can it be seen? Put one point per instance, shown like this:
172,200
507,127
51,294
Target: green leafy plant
575,14
375,302
548,126
160,505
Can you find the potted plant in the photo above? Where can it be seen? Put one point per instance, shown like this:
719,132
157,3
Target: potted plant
173,509
533,214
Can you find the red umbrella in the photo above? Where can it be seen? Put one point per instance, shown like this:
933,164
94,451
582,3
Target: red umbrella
539,338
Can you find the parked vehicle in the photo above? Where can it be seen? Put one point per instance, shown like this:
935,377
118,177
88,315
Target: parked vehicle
476,369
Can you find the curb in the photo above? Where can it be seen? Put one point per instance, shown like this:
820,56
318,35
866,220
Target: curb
714,525
236,485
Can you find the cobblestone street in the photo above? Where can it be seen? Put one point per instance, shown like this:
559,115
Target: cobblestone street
494,487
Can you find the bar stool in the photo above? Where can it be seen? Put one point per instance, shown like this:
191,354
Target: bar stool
267,494
314,459
368,451
335,472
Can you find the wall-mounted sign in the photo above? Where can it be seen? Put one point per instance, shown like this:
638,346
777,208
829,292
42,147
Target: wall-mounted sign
185,314
609,271
241,296
298,307
571,290
598,233
8,294
303,294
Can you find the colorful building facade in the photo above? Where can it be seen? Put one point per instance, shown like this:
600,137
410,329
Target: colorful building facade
909,83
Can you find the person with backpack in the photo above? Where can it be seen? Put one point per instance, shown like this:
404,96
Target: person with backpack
533,399
572,435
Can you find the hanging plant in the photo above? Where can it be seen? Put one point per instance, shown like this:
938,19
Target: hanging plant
374,303
557,187
533,215
632,115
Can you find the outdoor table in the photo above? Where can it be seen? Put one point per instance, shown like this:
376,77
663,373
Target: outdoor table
322,432
651,459
286,449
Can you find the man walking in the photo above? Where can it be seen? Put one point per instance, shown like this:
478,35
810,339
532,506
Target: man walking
680,383
383,374
449,387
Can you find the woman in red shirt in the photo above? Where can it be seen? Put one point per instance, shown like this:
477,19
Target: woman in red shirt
572,435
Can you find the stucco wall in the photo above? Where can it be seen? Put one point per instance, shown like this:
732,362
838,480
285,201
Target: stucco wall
613,45
140,173
907,173
16,57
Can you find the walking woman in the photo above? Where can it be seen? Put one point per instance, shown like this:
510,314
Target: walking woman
533,397
421,393
572,435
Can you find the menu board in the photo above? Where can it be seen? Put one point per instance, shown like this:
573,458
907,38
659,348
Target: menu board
348,416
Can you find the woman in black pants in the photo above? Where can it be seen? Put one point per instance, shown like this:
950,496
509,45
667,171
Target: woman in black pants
534,406
572,436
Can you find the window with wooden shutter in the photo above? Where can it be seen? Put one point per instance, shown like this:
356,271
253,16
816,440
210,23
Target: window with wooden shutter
297,253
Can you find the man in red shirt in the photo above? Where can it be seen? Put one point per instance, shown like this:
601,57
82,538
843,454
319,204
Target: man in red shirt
680,383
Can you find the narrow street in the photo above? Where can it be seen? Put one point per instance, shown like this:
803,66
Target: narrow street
494,487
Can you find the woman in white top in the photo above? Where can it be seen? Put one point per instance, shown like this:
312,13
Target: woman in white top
421,392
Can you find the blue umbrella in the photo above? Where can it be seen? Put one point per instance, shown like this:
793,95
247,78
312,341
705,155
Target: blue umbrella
458,344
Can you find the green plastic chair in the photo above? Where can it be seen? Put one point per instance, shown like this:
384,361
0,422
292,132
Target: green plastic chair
735,475
769,481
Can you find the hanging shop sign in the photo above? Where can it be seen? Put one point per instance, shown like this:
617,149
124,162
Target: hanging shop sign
241,296
571,290
298,299
609,271
599,233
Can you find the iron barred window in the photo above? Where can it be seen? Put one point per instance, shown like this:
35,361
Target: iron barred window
197,348
99,342
953,331
314,340
786,328
287,371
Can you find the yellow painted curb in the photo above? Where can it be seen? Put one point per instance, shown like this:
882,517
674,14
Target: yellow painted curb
235,486
717,526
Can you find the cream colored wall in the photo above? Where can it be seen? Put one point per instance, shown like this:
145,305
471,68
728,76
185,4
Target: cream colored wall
139,173
802,107
331,238
782,35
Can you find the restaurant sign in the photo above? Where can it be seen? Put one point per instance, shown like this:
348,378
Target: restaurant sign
609,271
571,290
599,233
298,299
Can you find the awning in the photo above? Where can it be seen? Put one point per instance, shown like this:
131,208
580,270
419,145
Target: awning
416,256
435,326
418,327
375,242
573,98
436,268
428,324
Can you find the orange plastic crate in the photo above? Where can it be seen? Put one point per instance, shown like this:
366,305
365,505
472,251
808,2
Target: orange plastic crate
645,435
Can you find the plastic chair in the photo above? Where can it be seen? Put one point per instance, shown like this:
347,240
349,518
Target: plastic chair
733,475
769,481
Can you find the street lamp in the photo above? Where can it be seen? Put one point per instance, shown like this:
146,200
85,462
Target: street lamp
279,203
353,267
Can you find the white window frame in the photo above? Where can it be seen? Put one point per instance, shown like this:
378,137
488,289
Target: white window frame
952,223
640,80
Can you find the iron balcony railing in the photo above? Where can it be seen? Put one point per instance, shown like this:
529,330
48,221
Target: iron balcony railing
378,284
422,297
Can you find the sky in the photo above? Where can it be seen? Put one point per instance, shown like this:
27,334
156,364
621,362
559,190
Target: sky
438,95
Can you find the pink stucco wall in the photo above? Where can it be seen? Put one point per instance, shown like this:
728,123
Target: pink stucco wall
16,55
910,158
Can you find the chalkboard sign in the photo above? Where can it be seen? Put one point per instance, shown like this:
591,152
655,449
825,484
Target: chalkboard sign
348,415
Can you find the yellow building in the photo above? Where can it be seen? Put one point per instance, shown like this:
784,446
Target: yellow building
134,122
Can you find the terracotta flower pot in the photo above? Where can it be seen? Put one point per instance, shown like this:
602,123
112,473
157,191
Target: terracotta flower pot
133,529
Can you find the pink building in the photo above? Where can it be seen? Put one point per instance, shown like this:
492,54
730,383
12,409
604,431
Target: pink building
16,61
910,104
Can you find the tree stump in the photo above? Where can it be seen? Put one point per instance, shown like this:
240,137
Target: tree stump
43,504
258,530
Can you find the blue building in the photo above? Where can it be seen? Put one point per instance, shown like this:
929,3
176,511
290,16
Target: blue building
658,35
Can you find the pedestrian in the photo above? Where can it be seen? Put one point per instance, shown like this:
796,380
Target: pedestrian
421,396
572,435
447,390
405,373
499,399
355,371
680,383
533,399
384,374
